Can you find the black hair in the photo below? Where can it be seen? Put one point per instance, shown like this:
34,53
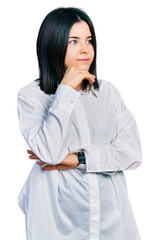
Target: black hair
52,44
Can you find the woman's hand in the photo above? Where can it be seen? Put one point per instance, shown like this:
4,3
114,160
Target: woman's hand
70,161
73,77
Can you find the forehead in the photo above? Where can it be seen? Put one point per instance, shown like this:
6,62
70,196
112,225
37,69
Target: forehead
80,28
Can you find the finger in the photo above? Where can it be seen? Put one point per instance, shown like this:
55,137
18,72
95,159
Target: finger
90,77
85,71
29,151
89,74
50,167
33,157
41,163
32,154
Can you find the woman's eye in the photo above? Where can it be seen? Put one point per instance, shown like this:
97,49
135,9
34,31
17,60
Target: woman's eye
90,41
73,41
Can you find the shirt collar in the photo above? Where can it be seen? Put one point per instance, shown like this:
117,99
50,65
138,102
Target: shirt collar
94,91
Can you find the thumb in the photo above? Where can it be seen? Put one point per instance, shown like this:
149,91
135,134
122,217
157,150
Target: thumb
50,167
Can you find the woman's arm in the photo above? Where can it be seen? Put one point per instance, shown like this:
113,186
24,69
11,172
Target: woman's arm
124,152
46,132
70,161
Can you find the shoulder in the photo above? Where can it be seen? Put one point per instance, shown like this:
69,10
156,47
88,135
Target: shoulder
107,86
32,95
30,89
109,92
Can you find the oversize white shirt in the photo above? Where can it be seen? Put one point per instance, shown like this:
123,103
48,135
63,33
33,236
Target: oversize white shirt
89,202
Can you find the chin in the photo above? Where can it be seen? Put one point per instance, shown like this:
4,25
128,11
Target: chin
83,66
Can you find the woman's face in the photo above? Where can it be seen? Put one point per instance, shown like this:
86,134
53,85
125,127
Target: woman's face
80,52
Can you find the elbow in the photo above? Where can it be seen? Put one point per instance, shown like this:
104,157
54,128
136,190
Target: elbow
49,154
136,162
42,150
48,149
136,155
134,165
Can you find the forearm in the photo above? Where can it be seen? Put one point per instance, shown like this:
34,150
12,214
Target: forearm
47,133
123,153
110,159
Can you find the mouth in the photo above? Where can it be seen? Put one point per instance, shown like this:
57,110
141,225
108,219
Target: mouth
83,60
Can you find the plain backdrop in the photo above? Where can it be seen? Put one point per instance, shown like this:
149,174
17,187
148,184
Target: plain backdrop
128,56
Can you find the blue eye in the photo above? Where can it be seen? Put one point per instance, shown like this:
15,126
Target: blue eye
90,41
73,41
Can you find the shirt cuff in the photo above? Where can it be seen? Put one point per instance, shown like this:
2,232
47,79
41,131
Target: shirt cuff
65,98
81,166
92,159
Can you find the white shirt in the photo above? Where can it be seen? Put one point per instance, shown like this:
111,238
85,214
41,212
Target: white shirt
89,202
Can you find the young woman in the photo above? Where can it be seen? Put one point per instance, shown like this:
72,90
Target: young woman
82,137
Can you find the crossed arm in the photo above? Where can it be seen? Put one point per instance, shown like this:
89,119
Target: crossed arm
37,125
70,161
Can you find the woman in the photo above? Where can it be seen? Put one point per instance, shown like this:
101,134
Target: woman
82,136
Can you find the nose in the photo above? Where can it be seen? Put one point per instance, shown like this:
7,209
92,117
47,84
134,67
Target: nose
84,48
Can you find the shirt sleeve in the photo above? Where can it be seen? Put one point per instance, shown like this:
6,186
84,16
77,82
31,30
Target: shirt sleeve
46,132
124,152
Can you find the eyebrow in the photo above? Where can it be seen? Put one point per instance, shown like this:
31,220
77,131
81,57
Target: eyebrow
79,38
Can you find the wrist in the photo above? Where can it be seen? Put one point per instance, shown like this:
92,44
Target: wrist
76,158
81,157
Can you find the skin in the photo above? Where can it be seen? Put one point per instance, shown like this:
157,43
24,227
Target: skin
79,47
70,161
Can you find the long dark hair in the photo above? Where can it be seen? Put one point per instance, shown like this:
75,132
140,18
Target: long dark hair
52,44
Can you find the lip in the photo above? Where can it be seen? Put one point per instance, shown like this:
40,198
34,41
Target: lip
84,60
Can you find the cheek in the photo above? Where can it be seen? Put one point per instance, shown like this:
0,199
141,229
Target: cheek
70,57
92,52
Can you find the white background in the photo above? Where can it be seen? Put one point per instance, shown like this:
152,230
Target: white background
128,56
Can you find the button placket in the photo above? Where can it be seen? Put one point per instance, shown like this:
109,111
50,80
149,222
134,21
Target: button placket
85,138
